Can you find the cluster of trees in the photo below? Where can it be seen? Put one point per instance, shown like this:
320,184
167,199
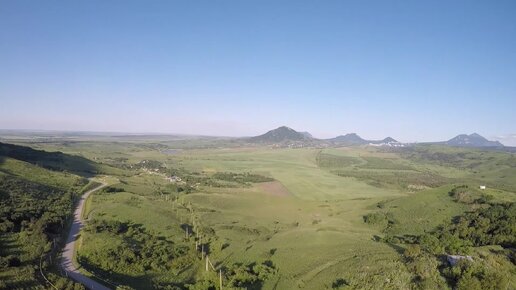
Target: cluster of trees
464,194
466,275
396,179
136,251
64,283
433,272
487,226
113,189
425,254
383,219
152,165
220,179
249,276
455,157
238,276
242,178
37,213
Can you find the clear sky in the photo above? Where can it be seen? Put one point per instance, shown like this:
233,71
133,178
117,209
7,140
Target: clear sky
413,70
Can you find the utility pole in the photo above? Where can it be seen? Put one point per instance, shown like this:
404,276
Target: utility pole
220,278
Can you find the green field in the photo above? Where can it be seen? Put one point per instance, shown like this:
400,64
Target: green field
307,225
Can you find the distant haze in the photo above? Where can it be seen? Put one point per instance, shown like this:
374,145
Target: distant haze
411,70
507,140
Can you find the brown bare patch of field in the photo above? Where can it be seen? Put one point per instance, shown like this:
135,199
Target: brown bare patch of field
274,188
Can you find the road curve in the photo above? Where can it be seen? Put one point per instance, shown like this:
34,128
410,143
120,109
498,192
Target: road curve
68,251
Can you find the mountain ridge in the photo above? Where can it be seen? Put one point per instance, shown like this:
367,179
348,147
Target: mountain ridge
472,140
355,139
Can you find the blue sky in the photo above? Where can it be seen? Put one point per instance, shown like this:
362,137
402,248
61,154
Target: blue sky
413,70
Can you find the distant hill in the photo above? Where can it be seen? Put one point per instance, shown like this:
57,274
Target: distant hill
281,134
389,140
349,139
472,140
307,134
353,139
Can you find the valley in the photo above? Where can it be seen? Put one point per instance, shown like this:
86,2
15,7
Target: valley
276,218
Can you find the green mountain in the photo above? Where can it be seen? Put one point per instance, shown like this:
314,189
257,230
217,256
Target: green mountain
281,134
349,139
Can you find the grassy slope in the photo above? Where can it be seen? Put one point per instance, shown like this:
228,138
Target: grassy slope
423,211
26,276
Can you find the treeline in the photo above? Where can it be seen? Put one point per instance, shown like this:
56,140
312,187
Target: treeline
395,178
493,225
191,180
242,178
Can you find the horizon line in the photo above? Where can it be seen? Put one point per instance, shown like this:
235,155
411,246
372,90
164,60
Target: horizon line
120,133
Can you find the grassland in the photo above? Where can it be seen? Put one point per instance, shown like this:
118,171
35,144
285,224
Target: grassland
309,222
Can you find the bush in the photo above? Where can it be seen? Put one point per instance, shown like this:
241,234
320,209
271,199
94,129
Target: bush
431,244
467,275
412,251
9,261
250,275
339,283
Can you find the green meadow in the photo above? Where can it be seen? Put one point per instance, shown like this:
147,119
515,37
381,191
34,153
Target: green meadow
303,228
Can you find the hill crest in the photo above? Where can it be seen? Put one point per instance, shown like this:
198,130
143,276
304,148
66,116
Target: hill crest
281,134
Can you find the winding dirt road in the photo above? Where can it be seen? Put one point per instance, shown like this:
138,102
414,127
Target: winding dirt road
67,254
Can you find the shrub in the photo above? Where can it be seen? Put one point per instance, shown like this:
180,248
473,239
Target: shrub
412,251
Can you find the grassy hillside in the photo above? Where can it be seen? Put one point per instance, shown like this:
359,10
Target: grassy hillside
35,205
